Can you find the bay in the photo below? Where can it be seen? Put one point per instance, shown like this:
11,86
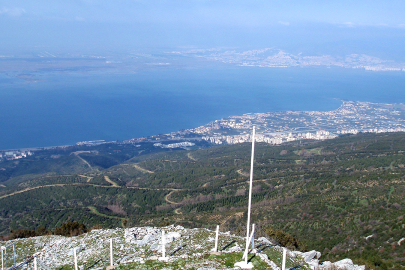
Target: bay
64,108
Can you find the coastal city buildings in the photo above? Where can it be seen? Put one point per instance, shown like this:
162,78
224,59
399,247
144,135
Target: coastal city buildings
15,154
274,128
278,127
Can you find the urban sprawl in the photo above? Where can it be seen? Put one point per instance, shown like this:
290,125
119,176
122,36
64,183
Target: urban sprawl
279,127
274,128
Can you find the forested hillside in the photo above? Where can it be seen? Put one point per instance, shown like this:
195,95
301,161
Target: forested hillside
343,197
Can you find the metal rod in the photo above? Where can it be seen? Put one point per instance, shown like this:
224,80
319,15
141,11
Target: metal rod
250,196
111,252
35,263
75,258
163,244
14,253
284,258
250,240
2,258
253,236
216,239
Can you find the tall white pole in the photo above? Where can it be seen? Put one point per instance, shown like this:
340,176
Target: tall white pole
250,196
163,245
111,252
2,259
253,236
35,263
216,239
75,258
284,258
14,253
250,240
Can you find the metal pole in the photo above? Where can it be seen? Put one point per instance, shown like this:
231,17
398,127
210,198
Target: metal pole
14,253
250,196
111,252
216,239
2,258
35,263
253,236
284,258
75,258
250,240
163,245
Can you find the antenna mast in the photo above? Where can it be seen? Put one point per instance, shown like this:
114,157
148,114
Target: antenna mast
245,264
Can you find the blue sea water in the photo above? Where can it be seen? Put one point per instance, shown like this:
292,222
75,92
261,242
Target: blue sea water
62,109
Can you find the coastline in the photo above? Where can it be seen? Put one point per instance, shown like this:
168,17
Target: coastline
235,129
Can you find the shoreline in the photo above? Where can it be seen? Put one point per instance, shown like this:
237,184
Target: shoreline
246,121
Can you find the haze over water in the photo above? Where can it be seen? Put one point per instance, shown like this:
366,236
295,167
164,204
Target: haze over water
62,109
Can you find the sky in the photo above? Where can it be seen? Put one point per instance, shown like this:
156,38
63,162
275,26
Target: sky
123,25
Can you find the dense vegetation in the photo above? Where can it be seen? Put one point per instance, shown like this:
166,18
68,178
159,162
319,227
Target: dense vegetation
343,197
67,229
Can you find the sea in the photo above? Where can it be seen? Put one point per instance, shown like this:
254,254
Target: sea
62,108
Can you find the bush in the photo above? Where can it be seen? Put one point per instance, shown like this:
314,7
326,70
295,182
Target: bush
285,239
71,229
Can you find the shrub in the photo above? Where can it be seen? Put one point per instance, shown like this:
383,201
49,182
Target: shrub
285,239
71,229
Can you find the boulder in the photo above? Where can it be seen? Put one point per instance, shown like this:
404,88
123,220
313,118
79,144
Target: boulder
347,264
313,254
264,240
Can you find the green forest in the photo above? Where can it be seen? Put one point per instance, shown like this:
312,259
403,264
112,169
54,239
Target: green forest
343,197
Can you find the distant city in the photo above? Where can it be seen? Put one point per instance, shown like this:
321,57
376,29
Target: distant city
276,58
15,154
28,66
274,128
278,127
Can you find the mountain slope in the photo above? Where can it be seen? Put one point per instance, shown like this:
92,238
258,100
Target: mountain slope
343,197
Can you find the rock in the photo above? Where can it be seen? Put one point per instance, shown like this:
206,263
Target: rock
296,253
155,247
266,259
325,265
78,249
314,263
148,239
308,256
347,264
264,240
235,248
172,236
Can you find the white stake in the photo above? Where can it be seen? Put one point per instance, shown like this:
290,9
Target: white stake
111,253
2,258
14,253
75,258
284,258
245,264
163,258
250,240
35,263
216,239
163,245
253,236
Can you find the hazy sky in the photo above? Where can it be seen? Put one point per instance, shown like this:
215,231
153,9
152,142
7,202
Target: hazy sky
132,24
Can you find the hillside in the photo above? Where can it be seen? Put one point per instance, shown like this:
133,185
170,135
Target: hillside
343,197
141,247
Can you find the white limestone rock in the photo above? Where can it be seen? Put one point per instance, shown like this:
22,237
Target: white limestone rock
265,241
347,264
266,259
310,255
